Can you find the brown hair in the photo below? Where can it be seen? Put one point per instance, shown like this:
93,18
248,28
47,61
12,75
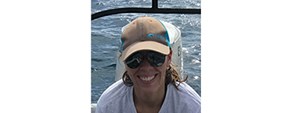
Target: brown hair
172,76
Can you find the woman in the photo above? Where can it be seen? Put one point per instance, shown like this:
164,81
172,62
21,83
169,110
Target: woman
150,84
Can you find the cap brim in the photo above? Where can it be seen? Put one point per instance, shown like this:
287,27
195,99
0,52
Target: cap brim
145,45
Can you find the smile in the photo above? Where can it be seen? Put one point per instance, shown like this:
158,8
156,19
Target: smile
147,78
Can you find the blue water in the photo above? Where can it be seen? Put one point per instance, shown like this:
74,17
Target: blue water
105,39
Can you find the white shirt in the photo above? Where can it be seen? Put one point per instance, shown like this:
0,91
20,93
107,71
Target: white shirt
118,98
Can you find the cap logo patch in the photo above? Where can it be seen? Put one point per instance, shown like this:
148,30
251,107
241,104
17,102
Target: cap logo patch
156,35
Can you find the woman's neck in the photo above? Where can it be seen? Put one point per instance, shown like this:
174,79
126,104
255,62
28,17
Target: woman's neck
149,101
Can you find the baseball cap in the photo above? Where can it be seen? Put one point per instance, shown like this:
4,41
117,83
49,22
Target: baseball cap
144,33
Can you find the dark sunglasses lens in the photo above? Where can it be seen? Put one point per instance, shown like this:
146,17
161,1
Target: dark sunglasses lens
133,61
156,59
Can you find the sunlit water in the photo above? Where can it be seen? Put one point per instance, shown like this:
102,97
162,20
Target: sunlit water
106,32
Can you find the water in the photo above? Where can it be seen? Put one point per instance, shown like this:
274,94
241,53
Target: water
105,38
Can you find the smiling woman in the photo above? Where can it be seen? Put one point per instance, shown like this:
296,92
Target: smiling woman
106,43
107,65
150,84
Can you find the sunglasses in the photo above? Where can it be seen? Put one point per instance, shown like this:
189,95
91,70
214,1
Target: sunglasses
154,58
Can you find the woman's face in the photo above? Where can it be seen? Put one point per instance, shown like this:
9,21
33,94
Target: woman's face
149,75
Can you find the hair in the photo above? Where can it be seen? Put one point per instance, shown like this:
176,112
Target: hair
172,76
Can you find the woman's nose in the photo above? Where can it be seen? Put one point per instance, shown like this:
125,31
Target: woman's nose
145,64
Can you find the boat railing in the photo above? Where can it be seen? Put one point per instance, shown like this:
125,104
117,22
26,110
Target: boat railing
153,9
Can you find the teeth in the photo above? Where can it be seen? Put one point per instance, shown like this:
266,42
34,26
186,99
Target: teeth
147,78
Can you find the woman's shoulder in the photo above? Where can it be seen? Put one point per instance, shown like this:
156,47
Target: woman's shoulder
187,90
184,99
188,94
114,92
185,94
118,94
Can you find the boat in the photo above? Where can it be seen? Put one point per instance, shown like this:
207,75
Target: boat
173,32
